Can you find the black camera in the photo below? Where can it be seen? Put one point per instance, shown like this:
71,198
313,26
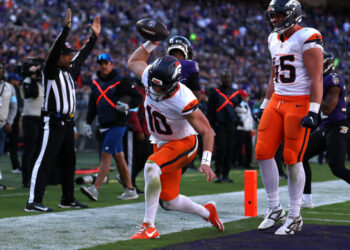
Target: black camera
30,66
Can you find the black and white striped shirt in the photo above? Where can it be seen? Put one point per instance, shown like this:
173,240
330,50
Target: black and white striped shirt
59,83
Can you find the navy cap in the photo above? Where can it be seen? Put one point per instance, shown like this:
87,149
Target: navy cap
14,76
67,49
104,57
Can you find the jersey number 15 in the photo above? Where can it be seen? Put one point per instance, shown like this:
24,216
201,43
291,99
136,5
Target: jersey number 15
283,67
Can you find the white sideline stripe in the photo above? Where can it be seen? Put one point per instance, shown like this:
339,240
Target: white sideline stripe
91,227
329,220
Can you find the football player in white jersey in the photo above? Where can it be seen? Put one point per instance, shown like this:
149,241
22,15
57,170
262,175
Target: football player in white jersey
173,121
289,110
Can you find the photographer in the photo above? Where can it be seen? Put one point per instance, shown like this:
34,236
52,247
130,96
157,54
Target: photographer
32,92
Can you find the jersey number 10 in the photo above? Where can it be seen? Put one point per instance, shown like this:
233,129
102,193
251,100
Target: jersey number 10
155,119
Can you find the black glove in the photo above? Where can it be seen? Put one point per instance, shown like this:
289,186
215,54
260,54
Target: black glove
310,120
257,116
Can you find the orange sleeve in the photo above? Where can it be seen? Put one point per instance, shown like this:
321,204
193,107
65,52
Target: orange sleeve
191,106
316,37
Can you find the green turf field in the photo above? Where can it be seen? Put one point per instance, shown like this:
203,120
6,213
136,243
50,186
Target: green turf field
13,200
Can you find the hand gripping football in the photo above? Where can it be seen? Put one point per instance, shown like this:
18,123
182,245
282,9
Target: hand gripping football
152,29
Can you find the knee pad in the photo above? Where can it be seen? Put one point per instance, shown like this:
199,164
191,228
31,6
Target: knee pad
261,151
152,176
151,169
289,156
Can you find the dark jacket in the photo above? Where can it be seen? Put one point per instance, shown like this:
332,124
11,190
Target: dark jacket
119,89
221,111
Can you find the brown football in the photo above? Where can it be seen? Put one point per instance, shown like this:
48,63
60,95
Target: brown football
152,29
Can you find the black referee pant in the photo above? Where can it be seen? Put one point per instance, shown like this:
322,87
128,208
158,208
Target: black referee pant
57,148
333,140
32,128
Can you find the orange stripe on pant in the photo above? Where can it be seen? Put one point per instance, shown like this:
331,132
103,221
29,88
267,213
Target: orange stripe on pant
171,158
280,121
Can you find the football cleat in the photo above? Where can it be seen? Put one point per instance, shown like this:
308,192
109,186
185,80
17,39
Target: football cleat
271,217
145,232
213,216
292,225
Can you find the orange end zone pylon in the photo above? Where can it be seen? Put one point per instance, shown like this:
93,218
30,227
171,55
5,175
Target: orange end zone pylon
250,193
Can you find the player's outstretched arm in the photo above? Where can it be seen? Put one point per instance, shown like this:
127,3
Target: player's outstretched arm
201,124
138,61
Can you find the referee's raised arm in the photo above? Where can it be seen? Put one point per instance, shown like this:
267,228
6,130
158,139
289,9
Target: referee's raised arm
84,52
51,65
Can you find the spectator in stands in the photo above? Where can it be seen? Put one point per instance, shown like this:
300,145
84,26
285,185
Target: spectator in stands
110,99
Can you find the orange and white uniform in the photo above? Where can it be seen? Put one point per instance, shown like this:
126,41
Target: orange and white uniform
175,141
290,102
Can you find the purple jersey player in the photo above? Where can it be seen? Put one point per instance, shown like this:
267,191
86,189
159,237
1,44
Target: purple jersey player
332,133
180,47
339,112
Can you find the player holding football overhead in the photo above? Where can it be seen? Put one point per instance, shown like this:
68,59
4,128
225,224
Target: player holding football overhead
289,109
173,121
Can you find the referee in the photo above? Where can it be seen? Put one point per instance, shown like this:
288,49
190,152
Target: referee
57,147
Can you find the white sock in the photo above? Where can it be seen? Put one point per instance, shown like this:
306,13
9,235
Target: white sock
152,191
270,178
186,205
296,183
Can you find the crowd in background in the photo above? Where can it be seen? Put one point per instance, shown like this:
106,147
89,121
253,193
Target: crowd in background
225,35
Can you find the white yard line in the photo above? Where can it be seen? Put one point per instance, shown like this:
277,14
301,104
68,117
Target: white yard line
309,211
91,227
